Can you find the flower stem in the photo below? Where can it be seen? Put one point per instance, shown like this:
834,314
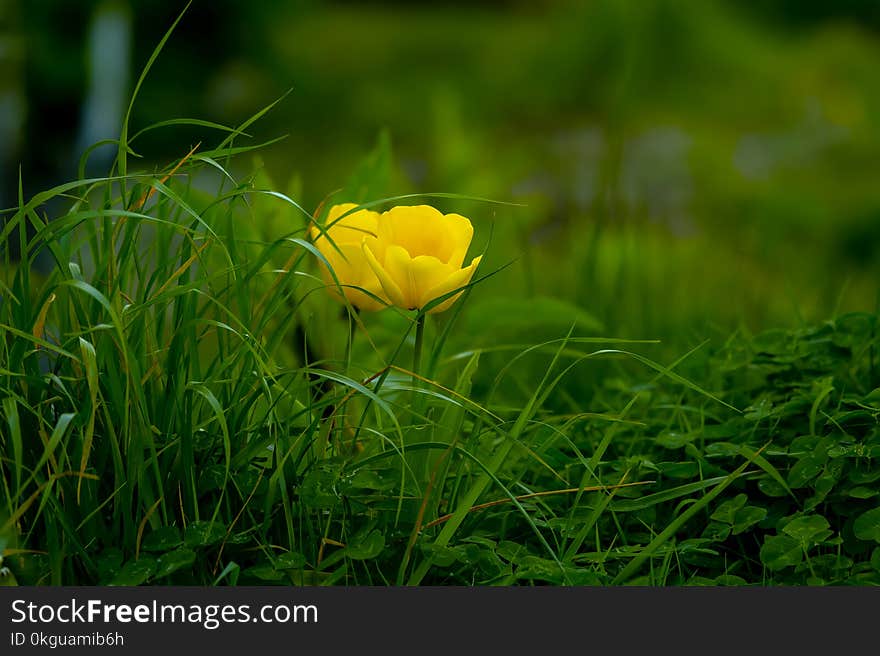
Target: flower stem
419,461
417,352
349,342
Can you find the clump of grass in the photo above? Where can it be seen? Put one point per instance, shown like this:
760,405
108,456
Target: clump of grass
166,418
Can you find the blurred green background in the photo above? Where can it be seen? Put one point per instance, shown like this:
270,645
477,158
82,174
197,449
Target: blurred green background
687,167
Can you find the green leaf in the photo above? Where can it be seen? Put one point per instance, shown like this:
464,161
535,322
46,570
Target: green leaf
825,483
867,525
781,551
375,480
759,411
162,539
511,551
109,563
875,558
365,546
747,517
135,572
534,568
722,449
290,560
203,533
173,561
771,488
862,492
864,476
319,487
442,555
716,531
873,398
673,440
265,573
726,512
805,529
804,470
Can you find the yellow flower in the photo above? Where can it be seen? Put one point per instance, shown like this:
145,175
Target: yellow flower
418,253
349,263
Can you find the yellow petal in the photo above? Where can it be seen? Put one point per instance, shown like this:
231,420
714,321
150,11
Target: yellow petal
458,279
338,260
360,274
351,228
341,247
420,229
351,270
389,286
317,231
338,210
398,266
460,232
364,302
414,276
426,273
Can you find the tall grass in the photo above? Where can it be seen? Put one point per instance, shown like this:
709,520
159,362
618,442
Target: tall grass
167,414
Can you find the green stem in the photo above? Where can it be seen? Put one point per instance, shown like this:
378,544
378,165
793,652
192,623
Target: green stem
349,343
417,352
419,461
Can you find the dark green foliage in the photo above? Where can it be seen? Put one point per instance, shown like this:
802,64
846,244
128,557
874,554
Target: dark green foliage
805,511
